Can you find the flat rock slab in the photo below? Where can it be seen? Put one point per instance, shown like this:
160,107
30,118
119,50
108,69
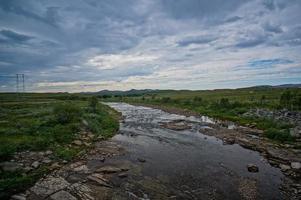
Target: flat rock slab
62,195
49,185
108,169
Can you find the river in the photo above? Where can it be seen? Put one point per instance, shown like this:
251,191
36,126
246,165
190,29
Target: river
187,164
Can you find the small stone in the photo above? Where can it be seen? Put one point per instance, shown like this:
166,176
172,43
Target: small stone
252,168
54,166
141,160
27,169
64,161
82,168
35,164
85,122
77,142
18,197
87,144
296,165
46,161
284,167
48,152
122,175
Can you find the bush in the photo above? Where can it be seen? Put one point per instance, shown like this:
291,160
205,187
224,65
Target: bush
66,113
65,153
279,135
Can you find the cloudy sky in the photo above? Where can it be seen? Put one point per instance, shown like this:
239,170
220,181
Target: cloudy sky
90,45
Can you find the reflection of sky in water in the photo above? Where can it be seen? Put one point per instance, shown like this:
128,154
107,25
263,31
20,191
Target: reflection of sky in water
189,157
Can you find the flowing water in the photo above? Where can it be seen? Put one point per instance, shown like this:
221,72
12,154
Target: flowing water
187,164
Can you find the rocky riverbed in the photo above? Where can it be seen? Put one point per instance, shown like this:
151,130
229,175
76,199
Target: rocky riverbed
159,155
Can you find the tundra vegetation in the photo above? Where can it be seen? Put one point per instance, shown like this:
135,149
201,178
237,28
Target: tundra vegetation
229,104
41,122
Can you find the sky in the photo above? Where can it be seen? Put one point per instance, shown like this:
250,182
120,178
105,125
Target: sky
92,45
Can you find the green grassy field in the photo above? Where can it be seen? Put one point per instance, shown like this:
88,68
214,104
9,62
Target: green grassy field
40,122
228,104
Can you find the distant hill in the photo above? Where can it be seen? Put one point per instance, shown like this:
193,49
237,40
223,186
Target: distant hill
134,92
125,93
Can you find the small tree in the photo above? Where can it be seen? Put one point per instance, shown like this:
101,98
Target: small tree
93,102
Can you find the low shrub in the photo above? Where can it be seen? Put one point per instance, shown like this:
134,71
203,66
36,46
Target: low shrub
279,135
66,113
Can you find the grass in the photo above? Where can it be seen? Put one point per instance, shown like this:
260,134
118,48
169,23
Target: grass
39,122
227,104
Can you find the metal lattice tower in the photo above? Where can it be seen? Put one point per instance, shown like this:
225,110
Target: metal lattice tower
19,80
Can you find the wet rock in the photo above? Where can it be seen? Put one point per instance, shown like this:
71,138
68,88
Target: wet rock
108,169
296,132
99,179
35,164
252,168
49,185
9,166
141,160
296,165
77,142
62,195
177,125
229,141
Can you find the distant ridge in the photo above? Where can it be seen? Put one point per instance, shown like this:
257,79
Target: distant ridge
147,91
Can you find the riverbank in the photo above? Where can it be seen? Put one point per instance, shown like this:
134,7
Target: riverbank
39,136
150,160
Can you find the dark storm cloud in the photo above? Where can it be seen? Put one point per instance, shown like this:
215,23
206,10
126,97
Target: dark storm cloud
11,36
55,40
